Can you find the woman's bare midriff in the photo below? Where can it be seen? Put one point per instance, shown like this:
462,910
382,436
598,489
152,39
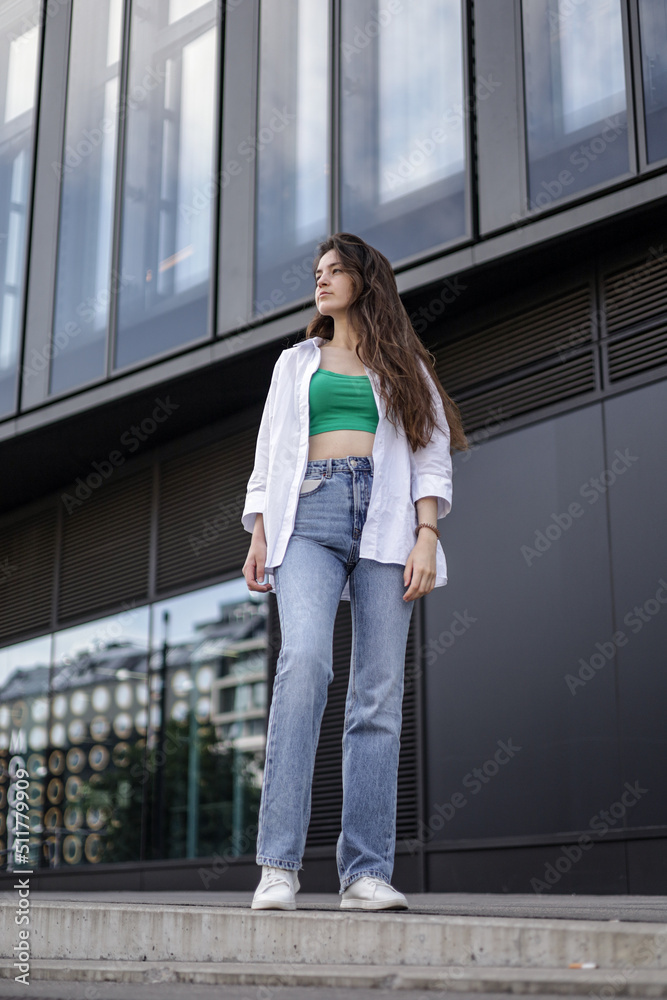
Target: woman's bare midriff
339,444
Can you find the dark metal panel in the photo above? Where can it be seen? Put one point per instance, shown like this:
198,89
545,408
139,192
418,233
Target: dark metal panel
27,554
554,384
635,426
524,361
528,596
46,200
470,121
639,352
632,71
636,93
530,334
200,534
499,145
637,291
106,544
647,867
237,174
599,870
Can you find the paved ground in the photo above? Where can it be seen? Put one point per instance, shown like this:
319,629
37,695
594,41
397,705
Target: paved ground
652,909
118,991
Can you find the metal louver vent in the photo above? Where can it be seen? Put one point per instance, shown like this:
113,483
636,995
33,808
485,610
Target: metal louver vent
27,553
636,293
407,808
639,352
106,542
540,332
327,791
201,501
521,395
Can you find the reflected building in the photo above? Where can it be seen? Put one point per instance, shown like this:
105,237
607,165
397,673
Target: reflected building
89,733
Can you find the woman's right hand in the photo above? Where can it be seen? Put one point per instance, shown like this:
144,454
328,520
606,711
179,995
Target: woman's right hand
253,567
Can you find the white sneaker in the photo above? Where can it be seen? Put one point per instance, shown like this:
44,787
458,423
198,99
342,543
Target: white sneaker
370,893
276,889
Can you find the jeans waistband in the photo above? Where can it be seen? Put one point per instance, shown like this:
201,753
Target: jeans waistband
351,463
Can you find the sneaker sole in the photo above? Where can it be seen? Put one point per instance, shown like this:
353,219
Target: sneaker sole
369,904
269,904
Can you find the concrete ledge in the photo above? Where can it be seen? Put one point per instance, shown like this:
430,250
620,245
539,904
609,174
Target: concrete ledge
564,982
133,932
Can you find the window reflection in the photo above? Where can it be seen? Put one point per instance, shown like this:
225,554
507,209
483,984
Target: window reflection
97,749
24,719
181,8
168,198
82,710
403,127
19,52
88,172
576,108
292,148
653,30
214,786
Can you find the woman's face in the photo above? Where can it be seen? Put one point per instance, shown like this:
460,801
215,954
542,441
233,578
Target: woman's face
335,288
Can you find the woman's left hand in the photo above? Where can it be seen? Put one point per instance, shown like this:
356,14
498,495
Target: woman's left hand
420,567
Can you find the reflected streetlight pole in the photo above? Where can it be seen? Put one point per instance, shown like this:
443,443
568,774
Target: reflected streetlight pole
45,860
123,674
193,771
161,756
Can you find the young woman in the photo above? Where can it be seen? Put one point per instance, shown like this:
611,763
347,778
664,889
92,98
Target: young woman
352,471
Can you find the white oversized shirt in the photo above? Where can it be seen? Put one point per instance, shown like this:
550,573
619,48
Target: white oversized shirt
400,476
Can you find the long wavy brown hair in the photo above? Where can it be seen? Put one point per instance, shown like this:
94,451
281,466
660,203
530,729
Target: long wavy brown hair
388,344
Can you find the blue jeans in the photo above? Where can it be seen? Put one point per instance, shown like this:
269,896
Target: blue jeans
322,553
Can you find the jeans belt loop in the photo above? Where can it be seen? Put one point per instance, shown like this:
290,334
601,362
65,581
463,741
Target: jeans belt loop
329,470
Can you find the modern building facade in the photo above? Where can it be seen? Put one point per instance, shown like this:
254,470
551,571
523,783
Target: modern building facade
166,171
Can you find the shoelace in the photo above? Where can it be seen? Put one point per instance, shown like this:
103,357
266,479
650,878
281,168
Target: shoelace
272,877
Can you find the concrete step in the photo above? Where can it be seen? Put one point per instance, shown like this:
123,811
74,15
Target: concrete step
271,975
82,929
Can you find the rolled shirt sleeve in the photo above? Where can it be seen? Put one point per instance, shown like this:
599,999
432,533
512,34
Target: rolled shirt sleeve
431,466
256,488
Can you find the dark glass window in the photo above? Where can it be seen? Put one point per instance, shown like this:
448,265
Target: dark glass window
19,62
24,739
87,171
403,123
168,190
292,149
97,751
576,104
653,31
213,778
80,710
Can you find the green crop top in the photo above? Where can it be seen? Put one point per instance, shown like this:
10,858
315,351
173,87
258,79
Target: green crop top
341,402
